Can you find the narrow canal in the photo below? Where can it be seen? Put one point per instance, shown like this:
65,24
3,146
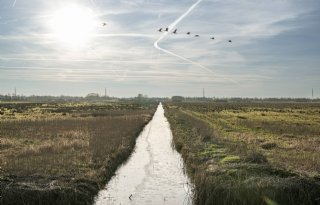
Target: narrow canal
154,172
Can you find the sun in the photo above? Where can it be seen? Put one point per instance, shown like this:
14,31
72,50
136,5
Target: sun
73,25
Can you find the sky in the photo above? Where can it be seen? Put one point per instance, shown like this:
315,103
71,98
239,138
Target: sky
61,47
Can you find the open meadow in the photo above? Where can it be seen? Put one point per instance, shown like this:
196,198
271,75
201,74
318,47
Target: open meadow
63,153
249,153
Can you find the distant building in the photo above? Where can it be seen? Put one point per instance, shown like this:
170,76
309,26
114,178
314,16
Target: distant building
92,95
140,96
177,98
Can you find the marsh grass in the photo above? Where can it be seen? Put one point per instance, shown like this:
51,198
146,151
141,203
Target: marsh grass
239,163
65,159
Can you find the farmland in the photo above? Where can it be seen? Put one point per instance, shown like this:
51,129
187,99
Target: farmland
63,153
249,153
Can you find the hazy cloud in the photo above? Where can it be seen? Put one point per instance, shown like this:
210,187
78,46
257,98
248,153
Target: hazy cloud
274,42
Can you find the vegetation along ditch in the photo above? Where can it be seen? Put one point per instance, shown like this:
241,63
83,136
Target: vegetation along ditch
64,153
249,153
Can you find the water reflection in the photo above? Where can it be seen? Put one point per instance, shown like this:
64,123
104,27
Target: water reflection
154,173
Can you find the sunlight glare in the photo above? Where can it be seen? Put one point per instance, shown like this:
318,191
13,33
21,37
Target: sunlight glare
73,25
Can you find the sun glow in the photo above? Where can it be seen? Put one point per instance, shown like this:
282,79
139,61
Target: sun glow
73,25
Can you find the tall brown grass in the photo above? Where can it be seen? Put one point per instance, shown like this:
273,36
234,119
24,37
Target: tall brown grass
76,155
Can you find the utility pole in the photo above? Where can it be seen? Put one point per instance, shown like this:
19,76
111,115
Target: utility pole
203,93
105,92
15,92
312,93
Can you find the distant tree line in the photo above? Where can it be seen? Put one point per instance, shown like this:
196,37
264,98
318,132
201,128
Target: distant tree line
140,98
238,99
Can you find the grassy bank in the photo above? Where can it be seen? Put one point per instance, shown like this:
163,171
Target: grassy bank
249,153
64,153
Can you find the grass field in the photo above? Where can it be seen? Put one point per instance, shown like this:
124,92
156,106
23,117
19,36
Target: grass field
250,153
64,153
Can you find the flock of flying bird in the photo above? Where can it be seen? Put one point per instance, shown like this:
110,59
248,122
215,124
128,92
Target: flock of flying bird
188,33
174,32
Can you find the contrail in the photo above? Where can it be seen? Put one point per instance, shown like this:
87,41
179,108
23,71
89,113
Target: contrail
93,3
125,35
156,43
14,3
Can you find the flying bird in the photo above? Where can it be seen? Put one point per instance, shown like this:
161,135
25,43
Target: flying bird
230,41
175,31
160,30
104,24
212,38
167,29
188,33
196,36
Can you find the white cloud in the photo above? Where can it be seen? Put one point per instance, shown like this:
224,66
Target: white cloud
123,50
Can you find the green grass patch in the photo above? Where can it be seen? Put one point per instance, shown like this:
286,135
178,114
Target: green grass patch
251,160
230,159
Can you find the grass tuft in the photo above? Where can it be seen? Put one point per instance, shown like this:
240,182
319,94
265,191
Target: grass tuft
268,145
230,159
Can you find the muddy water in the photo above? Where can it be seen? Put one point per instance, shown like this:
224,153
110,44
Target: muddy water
153,174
